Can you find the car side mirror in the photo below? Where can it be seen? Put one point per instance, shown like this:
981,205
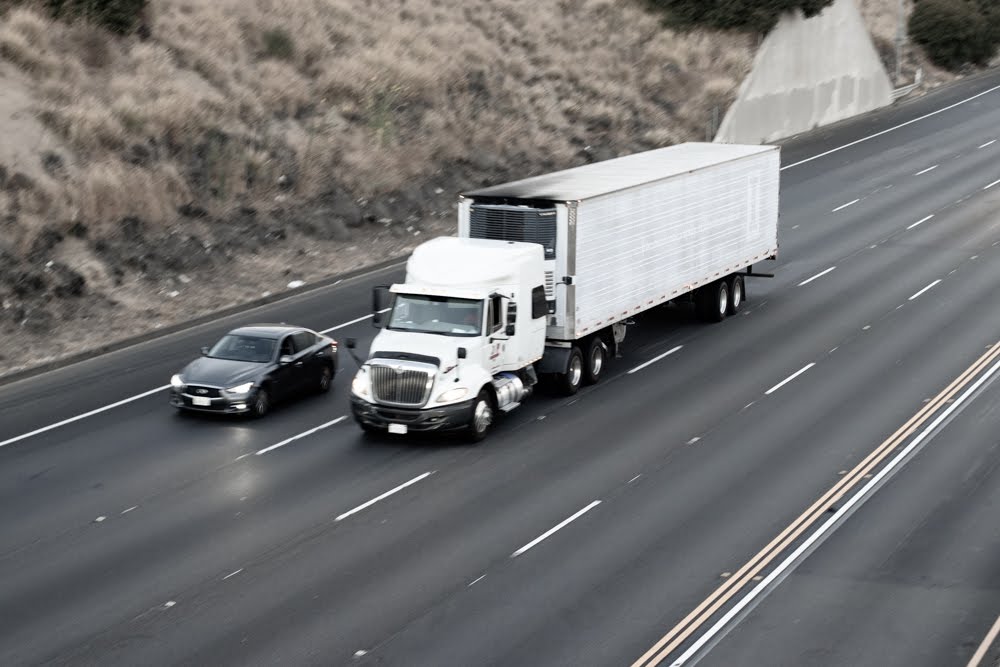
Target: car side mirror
204,351
351,343
462,353
285,359
509,331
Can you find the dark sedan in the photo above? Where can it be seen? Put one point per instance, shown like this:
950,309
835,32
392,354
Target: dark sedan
253,367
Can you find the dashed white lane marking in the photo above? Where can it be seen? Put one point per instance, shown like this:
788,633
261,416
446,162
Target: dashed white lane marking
634,478
843,206
980,653
921,173
100,519
654,360
169,603
991,185
921,221
924,290
989,143
818,275
83,416
354,321
893,129
555,529
789,379
134,507
385,495
300,435
476,581
232,574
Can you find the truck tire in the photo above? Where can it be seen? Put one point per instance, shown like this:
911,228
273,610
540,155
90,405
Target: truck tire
483,413
570,381
713,301
737,294
594,360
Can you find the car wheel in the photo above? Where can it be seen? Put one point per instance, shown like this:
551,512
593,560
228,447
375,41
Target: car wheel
325,379
261,403
482,417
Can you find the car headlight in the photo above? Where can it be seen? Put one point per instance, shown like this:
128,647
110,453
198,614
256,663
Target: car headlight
452,395
177,382
360,385
240,388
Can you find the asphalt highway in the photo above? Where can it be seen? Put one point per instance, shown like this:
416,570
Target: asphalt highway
813,482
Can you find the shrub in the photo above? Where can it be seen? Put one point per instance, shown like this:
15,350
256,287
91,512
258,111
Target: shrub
278,44
754,15
953,32
118,16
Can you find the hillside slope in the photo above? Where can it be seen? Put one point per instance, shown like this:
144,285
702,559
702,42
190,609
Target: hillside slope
268,142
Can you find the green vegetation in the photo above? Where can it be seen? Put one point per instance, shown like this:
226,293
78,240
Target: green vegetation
118,16
955,33
752,15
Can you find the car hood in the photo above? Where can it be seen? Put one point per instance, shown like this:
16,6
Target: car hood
221,372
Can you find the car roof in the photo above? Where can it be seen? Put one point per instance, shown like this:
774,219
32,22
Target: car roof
267,330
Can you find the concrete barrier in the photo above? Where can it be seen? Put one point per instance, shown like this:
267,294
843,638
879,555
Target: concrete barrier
808,73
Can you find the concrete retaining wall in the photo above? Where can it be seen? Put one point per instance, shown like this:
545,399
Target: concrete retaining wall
808,73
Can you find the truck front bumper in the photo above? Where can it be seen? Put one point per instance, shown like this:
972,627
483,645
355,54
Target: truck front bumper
445,418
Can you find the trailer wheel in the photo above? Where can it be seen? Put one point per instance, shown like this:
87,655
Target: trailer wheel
713,301
569,382
594,360
482,417
737,293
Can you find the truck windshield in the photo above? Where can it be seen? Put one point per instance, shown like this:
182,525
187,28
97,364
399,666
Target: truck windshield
443,315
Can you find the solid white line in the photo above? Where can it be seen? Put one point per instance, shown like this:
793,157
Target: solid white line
842,207
789,379
989,143
920,222
84,415
991,185
924,290
385,495
920,173
818,275
987,642
551,531
892,129
232,574
832,521
654,360
301,435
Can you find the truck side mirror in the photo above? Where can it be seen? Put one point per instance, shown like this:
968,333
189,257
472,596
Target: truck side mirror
462,353
380,295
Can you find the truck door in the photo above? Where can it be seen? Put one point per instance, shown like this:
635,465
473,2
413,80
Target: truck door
496,341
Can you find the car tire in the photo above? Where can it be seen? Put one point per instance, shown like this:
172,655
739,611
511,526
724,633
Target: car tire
261,403
325,380
483,414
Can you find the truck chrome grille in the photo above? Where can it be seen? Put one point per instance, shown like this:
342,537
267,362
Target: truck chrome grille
403,385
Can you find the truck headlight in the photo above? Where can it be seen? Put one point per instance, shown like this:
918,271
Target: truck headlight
177,382
360,385
452,395
240,388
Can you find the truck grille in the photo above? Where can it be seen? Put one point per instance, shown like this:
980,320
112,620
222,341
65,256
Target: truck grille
514,223
399,385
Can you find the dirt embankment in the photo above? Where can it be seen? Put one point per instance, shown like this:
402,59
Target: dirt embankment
231,148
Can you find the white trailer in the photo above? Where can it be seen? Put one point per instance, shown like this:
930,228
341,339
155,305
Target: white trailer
611,240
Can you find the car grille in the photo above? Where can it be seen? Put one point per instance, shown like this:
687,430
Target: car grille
207,392
400,385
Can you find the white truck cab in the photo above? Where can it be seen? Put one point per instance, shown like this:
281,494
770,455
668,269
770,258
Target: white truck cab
459,340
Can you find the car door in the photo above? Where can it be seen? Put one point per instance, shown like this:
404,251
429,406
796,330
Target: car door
287,378
312,363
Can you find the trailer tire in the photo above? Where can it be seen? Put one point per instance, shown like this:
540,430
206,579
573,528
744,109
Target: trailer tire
594,361
483,414
713,301
737,294
572,378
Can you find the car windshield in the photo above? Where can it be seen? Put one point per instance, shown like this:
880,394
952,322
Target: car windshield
243,348
443,315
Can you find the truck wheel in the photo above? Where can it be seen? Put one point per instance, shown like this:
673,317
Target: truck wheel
714,301
737,292
569,382
596,356
482,417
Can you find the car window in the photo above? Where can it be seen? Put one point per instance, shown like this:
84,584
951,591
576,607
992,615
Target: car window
303,340
287,346
243,348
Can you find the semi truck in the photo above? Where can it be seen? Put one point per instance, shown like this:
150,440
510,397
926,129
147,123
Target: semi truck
546,273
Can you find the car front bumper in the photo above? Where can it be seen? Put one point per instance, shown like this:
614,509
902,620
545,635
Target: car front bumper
224,404
445,418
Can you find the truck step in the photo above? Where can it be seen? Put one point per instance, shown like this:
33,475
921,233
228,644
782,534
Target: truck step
509,407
